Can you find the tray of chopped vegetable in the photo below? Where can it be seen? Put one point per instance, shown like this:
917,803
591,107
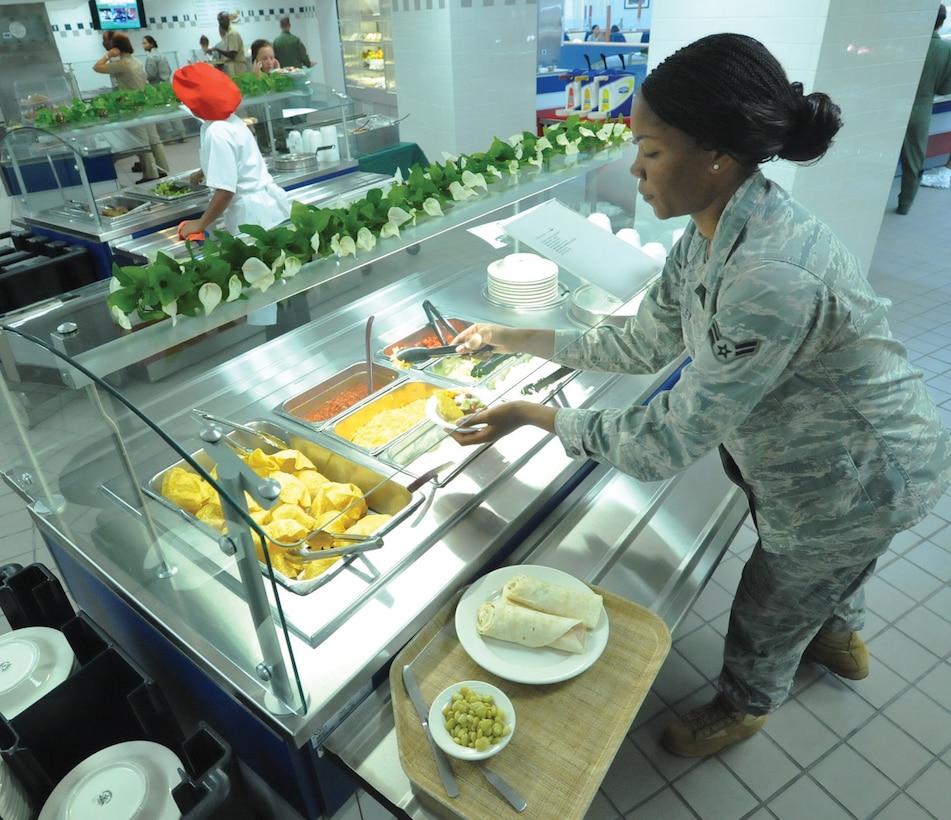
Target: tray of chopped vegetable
170,189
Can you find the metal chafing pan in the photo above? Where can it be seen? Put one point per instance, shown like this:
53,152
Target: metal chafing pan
147,189
396,397
299,407
108,207
295,162
383,494
415,339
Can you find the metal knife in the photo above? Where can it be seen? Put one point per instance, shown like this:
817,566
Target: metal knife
412,689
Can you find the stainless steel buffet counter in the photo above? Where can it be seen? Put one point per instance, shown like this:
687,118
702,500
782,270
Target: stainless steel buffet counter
520,500
148,213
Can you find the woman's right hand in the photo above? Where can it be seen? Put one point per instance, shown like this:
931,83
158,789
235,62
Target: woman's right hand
479,335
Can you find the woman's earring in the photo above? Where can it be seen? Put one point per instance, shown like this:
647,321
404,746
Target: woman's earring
716,166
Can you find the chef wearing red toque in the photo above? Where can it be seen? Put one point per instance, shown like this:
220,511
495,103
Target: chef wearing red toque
231,162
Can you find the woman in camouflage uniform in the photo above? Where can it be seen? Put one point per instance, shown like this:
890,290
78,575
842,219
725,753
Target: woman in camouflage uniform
794,375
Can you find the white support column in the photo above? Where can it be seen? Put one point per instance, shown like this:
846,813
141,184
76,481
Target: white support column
866,54
465,71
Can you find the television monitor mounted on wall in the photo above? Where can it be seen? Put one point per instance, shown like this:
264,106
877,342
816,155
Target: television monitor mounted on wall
117,15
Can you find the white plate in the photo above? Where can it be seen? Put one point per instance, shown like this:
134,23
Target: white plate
505,287
35,660
432,412
519,663
133,779
540,299
541,296
14,804
523,267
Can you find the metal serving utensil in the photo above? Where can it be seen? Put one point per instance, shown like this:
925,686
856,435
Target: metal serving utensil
322,542
361,543
438,321
369,356
547,381
274,441
417,355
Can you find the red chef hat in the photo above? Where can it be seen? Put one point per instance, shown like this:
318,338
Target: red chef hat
206,91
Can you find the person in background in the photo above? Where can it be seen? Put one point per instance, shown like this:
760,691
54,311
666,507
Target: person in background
289,49
935,79
938,177
263,60
616,36
231,163
127,72
231,47
595,34
204,54
157,70
793,376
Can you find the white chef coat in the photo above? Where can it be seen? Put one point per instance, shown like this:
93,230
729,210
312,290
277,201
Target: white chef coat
232,161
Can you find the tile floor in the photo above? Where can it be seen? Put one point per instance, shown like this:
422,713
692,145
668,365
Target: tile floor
878,748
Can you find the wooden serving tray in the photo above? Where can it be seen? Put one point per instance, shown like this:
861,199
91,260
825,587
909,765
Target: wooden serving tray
567,733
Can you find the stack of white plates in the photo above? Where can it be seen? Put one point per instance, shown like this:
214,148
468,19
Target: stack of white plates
523,280
127,781
34,660
14,804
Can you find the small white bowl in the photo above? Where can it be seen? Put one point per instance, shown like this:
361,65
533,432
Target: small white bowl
437,723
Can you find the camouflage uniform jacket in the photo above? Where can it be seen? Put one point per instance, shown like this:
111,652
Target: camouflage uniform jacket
793,369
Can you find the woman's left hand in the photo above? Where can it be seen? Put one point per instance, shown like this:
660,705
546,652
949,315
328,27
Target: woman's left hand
501,419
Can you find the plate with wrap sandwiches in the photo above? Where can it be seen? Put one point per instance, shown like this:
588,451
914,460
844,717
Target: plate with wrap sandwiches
532,624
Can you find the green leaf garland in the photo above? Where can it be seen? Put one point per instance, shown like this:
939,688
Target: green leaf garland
228,264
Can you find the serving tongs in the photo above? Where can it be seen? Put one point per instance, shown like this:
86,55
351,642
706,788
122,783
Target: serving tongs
417,355
547,381
439,322
317,551
268,438
317,539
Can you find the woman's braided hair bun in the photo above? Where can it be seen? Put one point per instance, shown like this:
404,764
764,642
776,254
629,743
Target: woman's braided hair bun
730,93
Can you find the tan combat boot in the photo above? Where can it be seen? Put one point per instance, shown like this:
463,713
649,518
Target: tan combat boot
842,653
706,730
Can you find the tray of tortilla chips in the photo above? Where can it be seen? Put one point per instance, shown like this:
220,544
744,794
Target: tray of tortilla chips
320,489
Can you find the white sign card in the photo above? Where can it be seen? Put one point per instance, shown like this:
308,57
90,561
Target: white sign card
586,250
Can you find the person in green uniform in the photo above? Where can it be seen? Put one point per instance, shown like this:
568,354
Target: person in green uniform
289,49
935,79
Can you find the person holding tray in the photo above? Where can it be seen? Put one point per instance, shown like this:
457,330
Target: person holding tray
794,376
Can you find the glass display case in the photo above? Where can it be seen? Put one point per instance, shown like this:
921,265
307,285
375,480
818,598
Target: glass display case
168,495
64,178
367,45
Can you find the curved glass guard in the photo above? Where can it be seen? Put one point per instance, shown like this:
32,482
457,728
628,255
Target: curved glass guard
144,449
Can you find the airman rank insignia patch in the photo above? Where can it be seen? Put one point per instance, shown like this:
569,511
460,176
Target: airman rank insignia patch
726,350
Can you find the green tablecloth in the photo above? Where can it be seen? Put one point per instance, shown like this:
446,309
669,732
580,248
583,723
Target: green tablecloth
401,156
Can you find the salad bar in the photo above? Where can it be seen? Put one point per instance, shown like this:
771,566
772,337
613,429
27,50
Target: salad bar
294,648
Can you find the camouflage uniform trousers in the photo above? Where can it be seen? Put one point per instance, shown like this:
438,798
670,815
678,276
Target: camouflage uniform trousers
782,601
